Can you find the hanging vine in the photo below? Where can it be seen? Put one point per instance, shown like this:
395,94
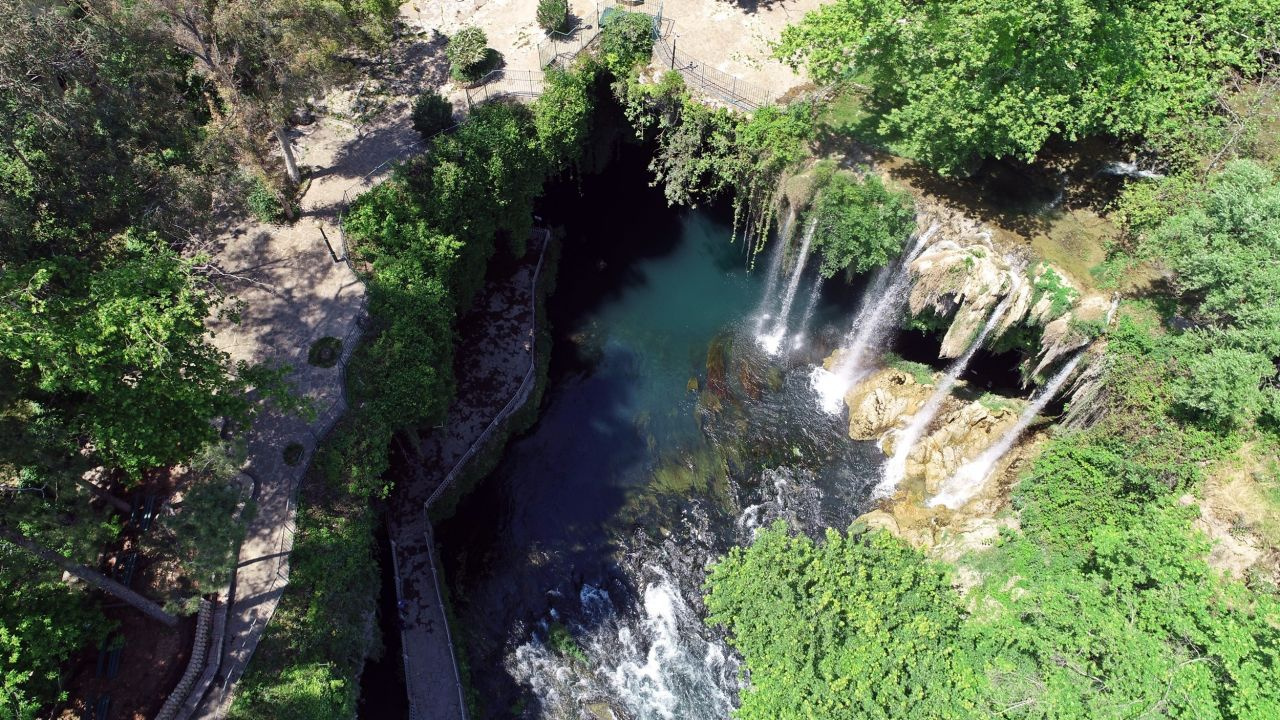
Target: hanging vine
703,152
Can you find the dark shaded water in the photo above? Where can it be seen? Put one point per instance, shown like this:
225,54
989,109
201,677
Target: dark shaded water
665,438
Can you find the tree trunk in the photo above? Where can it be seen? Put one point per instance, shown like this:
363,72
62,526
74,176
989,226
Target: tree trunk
94,578
110,499
290,165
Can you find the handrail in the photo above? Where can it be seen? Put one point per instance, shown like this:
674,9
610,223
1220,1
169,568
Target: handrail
522,390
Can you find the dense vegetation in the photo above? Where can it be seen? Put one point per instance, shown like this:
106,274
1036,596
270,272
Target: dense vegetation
954,82
123,136
423,239
1100,601
859,224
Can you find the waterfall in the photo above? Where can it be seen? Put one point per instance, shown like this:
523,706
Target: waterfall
968,479
1128,169
774,270
809,308
885,294
897,465
772,340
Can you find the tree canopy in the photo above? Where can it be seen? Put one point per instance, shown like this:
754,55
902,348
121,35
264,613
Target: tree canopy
956,81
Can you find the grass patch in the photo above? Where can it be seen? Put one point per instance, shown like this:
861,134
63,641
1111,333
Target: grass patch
921,373
998,403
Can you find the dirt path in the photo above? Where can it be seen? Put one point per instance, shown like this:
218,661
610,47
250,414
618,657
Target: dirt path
293,294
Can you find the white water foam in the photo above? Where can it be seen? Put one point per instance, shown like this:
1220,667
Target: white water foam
887,291
656,663
773,270
772,340
968,479
896,467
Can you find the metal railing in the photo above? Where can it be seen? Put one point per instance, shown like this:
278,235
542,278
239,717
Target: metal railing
561,47
517,398
506,83
704,79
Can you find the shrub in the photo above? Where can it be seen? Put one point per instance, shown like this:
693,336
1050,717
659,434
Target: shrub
432,112
468,54
860,224
293,453
553,15
626,40
325,352
262,202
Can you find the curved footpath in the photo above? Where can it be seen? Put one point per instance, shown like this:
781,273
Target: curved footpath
293,293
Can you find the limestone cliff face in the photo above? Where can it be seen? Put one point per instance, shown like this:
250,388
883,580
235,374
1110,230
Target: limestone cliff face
1064,334
879,402
964,276
960,436
963,281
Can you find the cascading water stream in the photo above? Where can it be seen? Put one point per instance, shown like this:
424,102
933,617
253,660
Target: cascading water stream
968,479
772,340
887,291
809,308
774,270
896,467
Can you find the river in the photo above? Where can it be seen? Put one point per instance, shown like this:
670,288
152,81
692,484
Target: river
666,437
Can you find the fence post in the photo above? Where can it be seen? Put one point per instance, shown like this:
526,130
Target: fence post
674,37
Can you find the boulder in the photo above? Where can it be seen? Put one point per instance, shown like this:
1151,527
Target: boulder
877,403
960,437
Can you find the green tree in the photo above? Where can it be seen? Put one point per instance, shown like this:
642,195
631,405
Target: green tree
626,40
121,352
266,58
468,53
562,115
432,113
859,224
956,81
101,119
553,15
858,626
1221,243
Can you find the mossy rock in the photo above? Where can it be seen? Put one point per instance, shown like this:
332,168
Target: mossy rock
325,352
293,453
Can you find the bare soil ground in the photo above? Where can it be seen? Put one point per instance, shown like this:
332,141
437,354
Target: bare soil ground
731,37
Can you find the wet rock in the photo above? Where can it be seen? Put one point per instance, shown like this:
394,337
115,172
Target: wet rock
1070,331
962,436
963,280
876,404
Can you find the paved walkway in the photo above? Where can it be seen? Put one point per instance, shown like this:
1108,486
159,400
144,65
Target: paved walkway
495,376
292,294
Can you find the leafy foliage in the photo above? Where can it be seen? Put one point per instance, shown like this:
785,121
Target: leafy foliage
563,115
432,113
958,81
859,626
626,40
704,152
42,622
117,344
266,58
1221,241
553,15
468,52
859,224
423,239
